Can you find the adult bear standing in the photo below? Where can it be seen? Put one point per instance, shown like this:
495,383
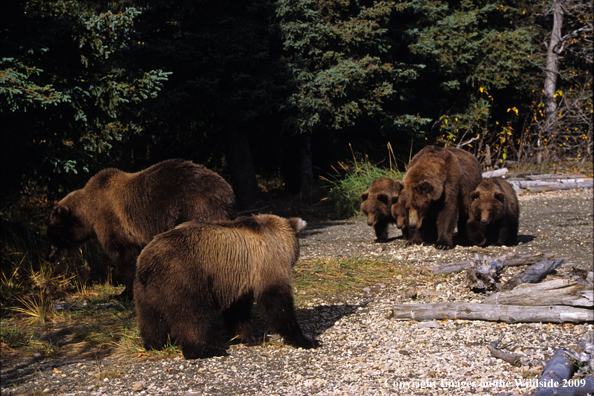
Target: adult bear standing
437,185
187,274
124,211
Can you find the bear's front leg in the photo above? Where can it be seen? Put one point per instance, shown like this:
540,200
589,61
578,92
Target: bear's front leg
381,231
476,232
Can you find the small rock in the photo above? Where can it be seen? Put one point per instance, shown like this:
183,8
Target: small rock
366,289
138,386
429,325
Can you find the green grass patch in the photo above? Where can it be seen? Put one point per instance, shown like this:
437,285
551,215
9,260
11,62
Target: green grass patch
351,180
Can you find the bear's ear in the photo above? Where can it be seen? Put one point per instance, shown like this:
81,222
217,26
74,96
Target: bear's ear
424,187
398,185
364,196
475,195
297,224
499,196
383,198
63,212
395,199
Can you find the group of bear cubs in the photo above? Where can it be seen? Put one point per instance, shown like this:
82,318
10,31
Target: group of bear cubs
183,254
443,189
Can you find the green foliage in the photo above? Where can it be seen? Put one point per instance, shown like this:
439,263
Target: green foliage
339,57
67,90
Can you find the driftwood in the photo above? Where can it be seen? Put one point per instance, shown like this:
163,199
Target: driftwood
555,377
508,260
511,358
492,312
495,173
534,274
554,292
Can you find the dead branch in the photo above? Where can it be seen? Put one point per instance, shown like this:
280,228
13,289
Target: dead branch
534,274
511,358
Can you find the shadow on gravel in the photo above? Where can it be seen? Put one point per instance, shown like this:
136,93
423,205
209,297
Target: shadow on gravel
315,321
314,228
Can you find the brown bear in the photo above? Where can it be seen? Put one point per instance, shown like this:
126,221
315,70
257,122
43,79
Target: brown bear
495,213
124,211
376,204
187,274
427,233
439,182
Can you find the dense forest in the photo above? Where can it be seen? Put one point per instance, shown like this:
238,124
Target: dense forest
286,89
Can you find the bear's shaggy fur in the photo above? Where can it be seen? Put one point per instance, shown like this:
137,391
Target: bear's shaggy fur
187,274
495,213
124,211
439,182
376,204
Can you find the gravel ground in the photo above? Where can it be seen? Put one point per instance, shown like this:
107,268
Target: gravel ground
363,351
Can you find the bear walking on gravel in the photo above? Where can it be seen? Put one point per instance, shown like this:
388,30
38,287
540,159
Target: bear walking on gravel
187,274
124,211
376,204
439,182
495,213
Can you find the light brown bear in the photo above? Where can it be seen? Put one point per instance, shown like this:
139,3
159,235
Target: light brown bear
495,213
124,211
187,274
377,202
440,182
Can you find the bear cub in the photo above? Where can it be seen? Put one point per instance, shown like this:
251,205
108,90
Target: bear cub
377,202
186,275
495,213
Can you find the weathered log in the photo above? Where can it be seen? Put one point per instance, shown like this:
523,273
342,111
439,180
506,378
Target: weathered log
554,292
495,173
491,312
561,186
534,274
586,388
558,369
508,260
511,358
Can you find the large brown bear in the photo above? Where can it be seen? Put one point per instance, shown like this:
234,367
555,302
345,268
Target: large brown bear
124,211
427,233
439,182
376,204
495,213
187,274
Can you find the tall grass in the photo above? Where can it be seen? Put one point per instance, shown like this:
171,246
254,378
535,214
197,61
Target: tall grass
352,179
27,279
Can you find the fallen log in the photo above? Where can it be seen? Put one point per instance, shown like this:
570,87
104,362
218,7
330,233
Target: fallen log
585,387
508,260
556,372
561,186
555,292
492,312
534,274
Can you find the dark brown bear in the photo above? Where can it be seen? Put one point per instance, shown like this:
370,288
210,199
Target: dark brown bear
427,233
440,182
187,274
124,211
495,213
377,201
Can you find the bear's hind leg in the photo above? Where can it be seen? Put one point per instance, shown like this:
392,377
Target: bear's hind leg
277,305
153,327
238,319
191,332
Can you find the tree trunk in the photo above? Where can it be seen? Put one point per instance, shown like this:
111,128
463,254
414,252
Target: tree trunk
241,167
306,168
552,68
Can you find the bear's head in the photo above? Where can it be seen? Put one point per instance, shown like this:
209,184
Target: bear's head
399,212
422,197
487,206
65,232
377,201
